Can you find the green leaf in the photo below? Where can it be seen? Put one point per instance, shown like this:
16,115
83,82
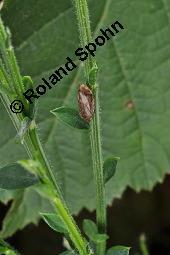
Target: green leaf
6,249
6,195
14,176
24,209
90,230
70,117
109,168
134,91
28,84
3,245
55,222
118,250
31,165
89,227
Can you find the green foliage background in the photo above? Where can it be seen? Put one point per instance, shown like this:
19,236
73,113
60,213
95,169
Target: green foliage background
134,68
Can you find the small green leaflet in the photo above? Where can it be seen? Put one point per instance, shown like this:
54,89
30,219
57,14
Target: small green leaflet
90,230
55,222
109,168
14,176
27,81
93,75
28,84
70,117
118,250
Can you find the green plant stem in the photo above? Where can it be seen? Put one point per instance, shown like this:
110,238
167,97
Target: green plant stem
34,148
39,155
98,175
143,245
95,136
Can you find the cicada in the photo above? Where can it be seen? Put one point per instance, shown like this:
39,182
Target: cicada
86,103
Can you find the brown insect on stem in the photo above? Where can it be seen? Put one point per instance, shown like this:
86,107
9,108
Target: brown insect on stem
86,103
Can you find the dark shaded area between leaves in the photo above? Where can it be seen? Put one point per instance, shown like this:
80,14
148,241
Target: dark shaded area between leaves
127,219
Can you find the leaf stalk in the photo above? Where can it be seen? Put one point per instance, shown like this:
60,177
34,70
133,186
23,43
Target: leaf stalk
95,135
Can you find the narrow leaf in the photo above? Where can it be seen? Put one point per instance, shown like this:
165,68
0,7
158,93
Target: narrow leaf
55,222
70,117
31,165
118,250
109,168
91,231
14,176
28,84
93,75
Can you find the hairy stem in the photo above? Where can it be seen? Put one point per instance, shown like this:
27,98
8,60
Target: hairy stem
95,136
32,143
98,174
39,155
143,245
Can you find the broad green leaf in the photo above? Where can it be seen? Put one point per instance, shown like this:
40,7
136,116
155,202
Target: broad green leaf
91,231
55,222
109,168
70,117
14,176
118,250
134,91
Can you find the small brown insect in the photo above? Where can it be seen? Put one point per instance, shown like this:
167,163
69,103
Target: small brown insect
86,103
130,105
